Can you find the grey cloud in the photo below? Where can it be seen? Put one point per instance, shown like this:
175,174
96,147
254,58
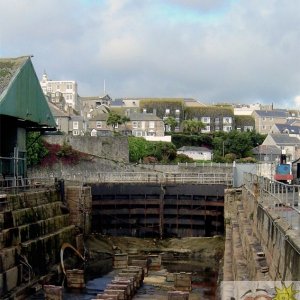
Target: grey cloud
249,54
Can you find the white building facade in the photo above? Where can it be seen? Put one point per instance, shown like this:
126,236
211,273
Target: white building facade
68,88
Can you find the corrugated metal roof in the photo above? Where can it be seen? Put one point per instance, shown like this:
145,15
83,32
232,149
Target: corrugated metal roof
21,95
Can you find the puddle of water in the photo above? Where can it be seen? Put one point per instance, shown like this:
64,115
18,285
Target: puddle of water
204,282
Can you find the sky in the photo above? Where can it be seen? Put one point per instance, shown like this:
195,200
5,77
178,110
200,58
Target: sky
215,51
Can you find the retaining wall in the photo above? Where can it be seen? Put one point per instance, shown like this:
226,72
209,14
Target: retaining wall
33,227
260,245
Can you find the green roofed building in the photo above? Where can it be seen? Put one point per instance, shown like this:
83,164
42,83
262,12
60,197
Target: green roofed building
23,107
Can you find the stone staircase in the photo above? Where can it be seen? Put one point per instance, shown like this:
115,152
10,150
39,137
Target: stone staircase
33,226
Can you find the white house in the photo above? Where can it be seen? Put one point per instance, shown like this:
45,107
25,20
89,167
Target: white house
196,153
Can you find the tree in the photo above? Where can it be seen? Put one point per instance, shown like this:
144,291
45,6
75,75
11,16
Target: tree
35,148
192,126
115,119
171,123
138,148
235,143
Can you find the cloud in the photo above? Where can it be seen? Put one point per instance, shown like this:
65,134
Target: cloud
241,51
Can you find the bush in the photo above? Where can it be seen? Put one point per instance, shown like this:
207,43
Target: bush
182,158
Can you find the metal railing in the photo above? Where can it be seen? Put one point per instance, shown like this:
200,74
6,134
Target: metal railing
274,193
14,185
206,164
153,177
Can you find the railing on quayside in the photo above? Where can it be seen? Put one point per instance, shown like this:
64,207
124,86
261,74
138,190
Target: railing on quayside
274,193
280,197
153,177
15,185
206,164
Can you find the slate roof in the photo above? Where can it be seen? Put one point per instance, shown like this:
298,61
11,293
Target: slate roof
143,117
132,117
284,139
276,113
56,112
117,102
266,149
292,129
194,148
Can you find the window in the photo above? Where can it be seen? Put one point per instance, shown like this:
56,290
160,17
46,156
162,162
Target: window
167,111
151,133
98,124
227,120
138,133
217,120
177,111
227,128
206,129
75,132
75,125
134,124
205,120
151,124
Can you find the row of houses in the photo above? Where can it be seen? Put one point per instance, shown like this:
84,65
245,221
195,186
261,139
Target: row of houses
31,111
87,115
78,115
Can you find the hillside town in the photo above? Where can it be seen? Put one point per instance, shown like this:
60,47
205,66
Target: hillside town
80,115
189,207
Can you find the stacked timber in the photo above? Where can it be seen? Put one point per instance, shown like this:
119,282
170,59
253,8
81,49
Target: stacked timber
183,281
178,295
75,279
148,262
120,260
124,285
52,292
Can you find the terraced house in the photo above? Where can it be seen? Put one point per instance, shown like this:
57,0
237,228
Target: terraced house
139,124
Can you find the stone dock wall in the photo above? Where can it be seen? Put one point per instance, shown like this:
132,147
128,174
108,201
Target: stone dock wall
33,226
259,244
